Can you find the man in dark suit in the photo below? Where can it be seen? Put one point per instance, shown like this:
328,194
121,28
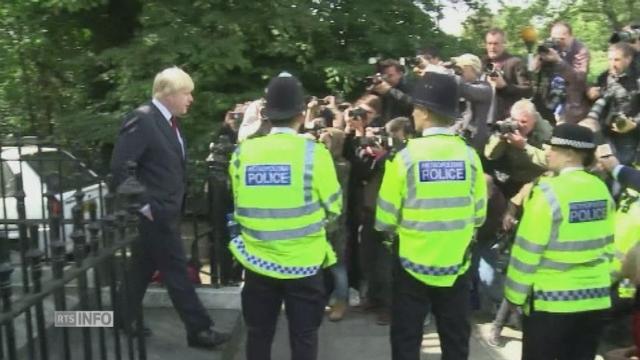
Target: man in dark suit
150,136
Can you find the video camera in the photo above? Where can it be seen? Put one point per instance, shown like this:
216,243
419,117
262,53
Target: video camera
504,127
376,79
547,45
626,36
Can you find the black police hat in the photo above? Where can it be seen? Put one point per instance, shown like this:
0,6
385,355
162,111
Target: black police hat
284,97
438,93
573,136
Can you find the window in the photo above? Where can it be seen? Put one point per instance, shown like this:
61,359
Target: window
59,170
8,180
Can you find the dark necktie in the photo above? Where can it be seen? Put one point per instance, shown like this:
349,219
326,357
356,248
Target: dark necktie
174,125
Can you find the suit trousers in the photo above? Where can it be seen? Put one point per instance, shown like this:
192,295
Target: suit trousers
562,336
410,304
160,248
304,301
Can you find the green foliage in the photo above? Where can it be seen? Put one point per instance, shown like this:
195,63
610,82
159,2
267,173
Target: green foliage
72,68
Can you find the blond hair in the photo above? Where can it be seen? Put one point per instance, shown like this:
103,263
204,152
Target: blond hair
170,81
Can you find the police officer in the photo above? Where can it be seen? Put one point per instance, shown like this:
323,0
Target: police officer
285,191
434,196
560,264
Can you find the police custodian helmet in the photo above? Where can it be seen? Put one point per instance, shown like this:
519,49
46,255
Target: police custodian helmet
438,93
284,97
573,136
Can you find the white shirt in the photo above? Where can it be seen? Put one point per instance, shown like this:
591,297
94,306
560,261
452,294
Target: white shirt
570,169
167,115
437,131
283,130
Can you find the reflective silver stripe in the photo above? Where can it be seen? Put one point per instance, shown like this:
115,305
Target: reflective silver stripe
529,246
472,164
259,213
480,204
411,177
572,295
556,211
521,266
554,265
579,245
382,226
284,234
516,286
449,225
387,206
309,149
430,270
437,203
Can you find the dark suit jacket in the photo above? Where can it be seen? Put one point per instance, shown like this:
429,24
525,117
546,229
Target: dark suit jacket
629,177
515,74
147,138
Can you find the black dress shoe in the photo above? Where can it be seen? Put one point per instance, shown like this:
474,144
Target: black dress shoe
208,339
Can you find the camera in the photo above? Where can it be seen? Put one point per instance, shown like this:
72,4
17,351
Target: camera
505,127
491,70
375,79
626,36
357,113
547,45
453,67
411,62
617,101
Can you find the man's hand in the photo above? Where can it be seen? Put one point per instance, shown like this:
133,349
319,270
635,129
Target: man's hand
354,124
623,125
516,140
497,81
609,162
381,88
593,93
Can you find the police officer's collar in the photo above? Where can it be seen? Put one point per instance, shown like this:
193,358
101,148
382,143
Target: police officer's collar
437,131
282,130
571,169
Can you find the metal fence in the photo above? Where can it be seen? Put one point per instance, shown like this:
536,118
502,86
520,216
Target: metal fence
62,237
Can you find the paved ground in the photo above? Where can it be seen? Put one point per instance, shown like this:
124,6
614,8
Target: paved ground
359,337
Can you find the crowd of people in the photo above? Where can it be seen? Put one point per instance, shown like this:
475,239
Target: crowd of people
485,182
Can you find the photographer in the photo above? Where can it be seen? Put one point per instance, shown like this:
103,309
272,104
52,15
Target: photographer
367,167
631,35
618,105
394,88
507,74
232,121
516,146
478,96
563,64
